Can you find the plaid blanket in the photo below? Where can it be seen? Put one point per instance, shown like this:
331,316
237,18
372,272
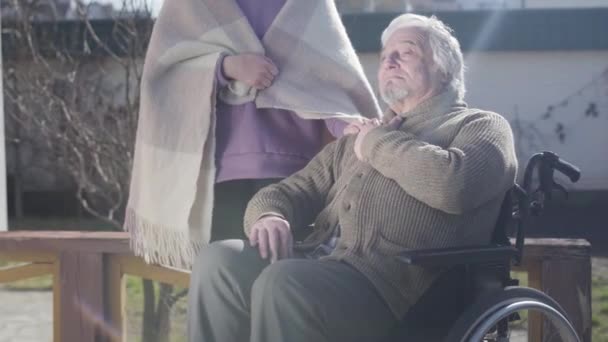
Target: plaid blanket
171,196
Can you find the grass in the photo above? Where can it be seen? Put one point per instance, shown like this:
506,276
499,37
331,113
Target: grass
599,308
50,223
43,283
178,313
135,312
134,303
523,316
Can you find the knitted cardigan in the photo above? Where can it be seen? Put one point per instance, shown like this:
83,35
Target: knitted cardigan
436,182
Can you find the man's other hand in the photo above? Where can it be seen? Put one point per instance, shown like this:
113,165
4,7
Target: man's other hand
366,126
272,235
355,126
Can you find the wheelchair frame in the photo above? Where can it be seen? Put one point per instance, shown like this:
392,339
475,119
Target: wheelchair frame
491,297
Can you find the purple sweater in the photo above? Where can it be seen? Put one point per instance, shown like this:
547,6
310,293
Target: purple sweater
262,143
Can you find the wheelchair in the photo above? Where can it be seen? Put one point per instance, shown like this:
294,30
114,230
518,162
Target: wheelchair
475,299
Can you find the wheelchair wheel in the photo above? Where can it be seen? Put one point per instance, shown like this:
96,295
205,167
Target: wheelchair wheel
488,317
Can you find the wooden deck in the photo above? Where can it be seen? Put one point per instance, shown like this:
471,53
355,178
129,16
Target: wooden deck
88,270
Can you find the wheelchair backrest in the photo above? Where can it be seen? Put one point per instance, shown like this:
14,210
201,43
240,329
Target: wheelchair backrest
499,235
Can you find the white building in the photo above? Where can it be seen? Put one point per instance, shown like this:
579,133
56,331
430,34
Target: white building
517,68
523,70
351,6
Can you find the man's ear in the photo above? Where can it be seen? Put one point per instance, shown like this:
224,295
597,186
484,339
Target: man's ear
445,79
389,114
442,78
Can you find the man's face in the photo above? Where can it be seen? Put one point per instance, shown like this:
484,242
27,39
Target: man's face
406,67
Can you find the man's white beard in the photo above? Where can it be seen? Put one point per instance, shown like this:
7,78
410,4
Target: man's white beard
392,94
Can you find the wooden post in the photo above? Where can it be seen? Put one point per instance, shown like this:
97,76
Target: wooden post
136,266
117,266
573,293
535,325
81,284
76,261
561,268
56,302
3,208
116,294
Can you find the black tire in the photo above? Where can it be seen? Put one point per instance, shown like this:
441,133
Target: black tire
486,304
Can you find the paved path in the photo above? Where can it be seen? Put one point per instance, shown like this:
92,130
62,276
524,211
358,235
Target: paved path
26,316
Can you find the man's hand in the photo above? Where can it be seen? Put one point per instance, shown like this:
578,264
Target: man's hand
256,71
355,126
367,126
363,128
272,235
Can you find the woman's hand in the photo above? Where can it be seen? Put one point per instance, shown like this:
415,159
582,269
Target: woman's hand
256,71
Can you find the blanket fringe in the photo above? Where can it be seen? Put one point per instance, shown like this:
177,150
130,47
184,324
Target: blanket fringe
162,245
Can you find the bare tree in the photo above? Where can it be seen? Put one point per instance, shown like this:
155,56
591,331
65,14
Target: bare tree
74,93
62,94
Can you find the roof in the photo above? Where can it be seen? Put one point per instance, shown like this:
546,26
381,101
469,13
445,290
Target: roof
503,30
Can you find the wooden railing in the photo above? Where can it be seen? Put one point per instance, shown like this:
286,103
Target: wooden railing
89,269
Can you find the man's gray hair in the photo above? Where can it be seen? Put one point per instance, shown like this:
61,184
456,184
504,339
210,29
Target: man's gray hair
444,46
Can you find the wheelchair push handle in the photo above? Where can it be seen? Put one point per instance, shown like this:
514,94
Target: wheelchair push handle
530,201
548,162
567,169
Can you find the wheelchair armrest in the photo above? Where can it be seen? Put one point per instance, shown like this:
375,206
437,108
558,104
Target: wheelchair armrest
457,256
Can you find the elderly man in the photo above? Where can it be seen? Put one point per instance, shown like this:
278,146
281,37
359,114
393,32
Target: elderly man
433,175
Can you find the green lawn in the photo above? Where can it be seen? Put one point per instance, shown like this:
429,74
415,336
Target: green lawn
135,312
44,283
600,308
178,313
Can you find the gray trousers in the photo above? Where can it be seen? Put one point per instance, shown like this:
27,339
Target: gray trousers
237,296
